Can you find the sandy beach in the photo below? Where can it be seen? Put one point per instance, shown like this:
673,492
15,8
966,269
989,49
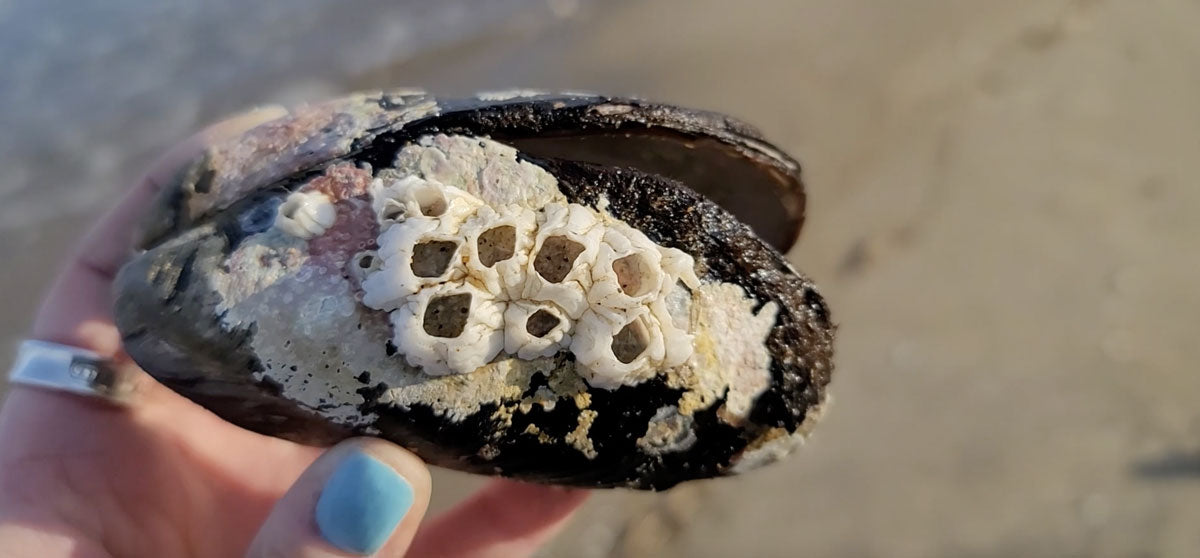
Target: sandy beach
1002,214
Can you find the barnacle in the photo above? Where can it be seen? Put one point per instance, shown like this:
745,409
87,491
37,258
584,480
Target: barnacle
306,214
450,327
568,238
614,353
498,244
533,330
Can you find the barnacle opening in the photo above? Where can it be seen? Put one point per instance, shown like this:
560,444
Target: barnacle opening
541,323
634,274
289,207
555,259
446,316
363,264
431,258
497,244
365,260
630,342
532,330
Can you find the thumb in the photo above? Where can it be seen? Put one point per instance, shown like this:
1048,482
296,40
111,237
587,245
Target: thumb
364,496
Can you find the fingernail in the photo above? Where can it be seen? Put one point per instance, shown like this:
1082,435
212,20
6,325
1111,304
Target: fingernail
361,504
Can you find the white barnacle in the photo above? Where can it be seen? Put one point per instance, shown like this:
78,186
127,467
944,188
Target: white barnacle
497,245
452,328
559,269
611,354
418,252
535,330
678,264
627,273
678,344
306,214
633,274
412,196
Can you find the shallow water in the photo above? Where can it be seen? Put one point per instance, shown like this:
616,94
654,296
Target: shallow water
90,88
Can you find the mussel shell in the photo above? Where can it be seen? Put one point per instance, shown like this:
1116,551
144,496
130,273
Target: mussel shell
725,160
682,177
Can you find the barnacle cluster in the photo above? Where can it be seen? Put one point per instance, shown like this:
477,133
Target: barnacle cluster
464,280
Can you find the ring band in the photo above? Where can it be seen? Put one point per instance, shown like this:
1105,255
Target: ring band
64,368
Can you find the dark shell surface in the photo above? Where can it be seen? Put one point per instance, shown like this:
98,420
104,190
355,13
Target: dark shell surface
257,290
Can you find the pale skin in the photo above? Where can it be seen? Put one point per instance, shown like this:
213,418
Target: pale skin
162,476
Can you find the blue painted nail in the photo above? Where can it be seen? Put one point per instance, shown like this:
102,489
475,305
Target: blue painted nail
361,504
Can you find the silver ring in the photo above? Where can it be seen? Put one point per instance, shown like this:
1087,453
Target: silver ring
64,368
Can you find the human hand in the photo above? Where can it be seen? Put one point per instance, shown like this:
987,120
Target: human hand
164,477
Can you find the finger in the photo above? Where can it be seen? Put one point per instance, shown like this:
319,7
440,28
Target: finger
365,496
504,519
77,309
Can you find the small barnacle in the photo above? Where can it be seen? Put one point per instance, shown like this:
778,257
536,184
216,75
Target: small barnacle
412,196
390,210
452,328
678,264
567,240
677,303
497,248
306,214
612,354
678,344
628,271
363,264
535,330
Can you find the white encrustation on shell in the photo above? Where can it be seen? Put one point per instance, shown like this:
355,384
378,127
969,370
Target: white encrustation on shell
306,214
465,280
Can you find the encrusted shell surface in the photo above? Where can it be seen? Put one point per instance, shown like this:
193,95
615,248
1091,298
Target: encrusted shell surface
557,288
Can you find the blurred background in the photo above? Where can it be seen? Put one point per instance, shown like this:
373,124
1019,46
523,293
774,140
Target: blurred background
1003,214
